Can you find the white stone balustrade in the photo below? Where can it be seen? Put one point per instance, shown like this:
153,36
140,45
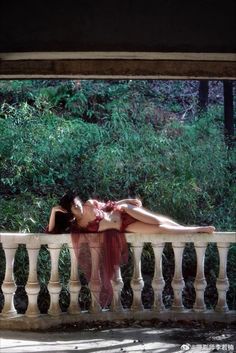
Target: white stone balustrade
117,285
32,287
74,284
54,286
158,282
33,242
178,281
222,283
200,281
9,286
137,280
95,280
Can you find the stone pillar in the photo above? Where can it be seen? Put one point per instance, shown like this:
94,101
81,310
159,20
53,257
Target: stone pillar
200,281
74,285
178,281
32,287
8,286
158,282
222,282
137,279
117,285
54,286
95,280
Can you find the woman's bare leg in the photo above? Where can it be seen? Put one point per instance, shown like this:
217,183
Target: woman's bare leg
166,220
140,227
146,216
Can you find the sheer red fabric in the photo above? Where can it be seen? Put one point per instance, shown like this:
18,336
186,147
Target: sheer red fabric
99,208
110,245
109,249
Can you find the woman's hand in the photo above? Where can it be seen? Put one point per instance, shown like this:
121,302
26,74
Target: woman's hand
58,208
135,202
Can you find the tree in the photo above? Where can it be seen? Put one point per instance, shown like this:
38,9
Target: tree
203,95
228,111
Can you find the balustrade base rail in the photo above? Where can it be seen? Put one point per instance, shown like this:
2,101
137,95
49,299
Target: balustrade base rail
45,321
32,319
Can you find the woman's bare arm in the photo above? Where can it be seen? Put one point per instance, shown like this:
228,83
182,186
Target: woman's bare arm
51,224
135,202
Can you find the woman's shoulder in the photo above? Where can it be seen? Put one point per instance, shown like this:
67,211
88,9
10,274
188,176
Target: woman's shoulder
93,203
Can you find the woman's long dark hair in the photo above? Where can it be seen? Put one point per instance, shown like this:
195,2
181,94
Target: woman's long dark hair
64,221
67,200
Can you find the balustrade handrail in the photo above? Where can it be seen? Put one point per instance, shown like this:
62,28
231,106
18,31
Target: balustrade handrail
44,238
54,242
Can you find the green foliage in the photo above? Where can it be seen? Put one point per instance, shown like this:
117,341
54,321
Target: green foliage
111,139
24,213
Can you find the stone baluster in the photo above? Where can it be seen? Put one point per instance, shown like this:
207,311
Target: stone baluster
8,286
74,284
158,282
178,281
95,280
117,285
32,287
222,282
137,279
54,286
200,281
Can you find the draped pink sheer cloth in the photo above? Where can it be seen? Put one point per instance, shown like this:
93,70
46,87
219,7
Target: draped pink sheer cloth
108,249
98,256
100,253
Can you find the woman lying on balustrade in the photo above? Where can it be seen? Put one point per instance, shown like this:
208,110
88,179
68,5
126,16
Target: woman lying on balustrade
110,221
124,216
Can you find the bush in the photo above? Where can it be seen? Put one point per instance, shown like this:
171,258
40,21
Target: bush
183,169
101,139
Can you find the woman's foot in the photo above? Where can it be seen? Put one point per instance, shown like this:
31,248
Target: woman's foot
207,229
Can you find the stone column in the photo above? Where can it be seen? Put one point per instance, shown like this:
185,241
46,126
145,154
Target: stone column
137,279
8,286
178,281
32,287
54,286
74,285
200,280
158,282
222,282
95,280
117,285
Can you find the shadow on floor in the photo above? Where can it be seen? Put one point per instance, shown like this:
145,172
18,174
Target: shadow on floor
175,338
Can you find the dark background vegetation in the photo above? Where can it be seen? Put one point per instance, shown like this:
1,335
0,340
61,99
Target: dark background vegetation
162,141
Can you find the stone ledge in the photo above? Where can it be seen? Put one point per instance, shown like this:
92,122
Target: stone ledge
41,238
45,321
